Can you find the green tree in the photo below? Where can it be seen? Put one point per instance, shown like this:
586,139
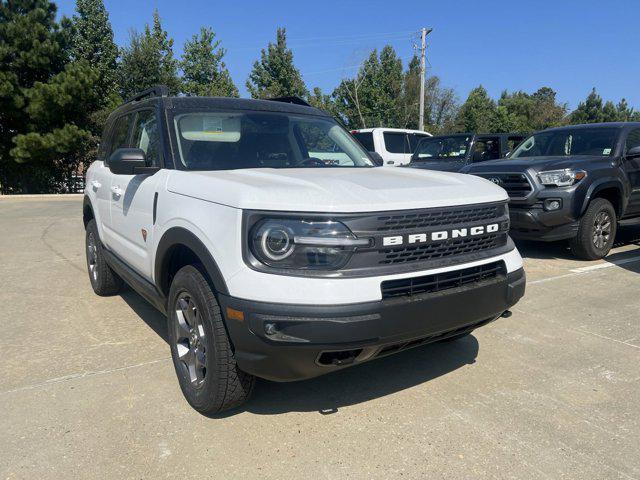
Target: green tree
148,61
34,48
93,41
589,111
322,101
523,112
478,113
275,75
373,97
203,71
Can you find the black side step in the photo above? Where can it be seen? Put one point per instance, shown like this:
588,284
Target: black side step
141,285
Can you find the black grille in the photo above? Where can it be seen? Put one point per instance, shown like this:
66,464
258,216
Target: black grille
516,184
438,217
446,248
442,281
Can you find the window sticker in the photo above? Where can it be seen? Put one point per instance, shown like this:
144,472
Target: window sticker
606,151
212,124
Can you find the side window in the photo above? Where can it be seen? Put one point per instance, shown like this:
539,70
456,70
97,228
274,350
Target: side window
414,140
366,139
146,136
396,142
120,135
513,142
633,140
486,148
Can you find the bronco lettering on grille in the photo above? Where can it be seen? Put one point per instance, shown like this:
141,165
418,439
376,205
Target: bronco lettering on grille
440,235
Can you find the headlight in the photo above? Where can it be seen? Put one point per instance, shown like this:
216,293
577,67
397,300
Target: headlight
561,178
303,244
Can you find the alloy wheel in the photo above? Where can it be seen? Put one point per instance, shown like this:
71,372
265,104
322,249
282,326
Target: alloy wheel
601,229
190,339
92,257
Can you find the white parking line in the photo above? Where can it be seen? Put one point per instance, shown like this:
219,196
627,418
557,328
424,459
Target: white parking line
584,270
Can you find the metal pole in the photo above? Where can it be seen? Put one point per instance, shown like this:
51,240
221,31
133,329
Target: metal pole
423,74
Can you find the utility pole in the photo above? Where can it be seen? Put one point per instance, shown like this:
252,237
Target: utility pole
423,73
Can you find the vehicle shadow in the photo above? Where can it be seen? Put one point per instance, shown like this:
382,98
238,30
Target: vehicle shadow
626,235
328,393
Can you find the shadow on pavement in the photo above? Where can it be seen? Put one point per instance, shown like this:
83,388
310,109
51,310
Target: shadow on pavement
354,385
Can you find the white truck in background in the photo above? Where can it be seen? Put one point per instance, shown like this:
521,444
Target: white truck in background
394,145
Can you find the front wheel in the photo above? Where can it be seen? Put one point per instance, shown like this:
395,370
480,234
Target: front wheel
104,280
202,355
596,232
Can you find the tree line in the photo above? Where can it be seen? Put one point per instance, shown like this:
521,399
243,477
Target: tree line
60,79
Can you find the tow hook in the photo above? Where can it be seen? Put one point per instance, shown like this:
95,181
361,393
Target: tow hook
506,314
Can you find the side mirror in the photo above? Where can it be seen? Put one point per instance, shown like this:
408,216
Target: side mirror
633,152
128,161
377,158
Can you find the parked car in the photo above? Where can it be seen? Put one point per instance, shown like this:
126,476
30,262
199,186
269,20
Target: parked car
270,261
576,182
450,153
394,145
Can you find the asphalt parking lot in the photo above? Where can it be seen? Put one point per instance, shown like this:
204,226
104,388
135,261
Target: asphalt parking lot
88,389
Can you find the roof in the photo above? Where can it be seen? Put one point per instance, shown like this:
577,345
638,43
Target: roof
227,103
401,130
224,103
596,125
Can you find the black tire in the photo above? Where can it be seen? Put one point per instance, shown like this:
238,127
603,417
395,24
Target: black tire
104,280
203,357
455,337
596,232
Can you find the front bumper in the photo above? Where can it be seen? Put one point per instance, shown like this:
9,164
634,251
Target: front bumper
313,340
533,223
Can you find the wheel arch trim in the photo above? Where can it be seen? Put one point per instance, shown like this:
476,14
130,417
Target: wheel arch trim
179,236
600,185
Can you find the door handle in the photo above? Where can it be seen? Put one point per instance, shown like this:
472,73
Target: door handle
95,184
116,191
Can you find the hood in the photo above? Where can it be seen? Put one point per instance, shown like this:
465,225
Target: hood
439,165
537,164
339,190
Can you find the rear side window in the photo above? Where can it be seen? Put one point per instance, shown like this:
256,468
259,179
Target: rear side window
513,142
633,139
486,148
366,140
120,135
146,137
414,140
396,142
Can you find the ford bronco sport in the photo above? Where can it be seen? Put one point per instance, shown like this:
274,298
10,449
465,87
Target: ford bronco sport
270,261
576,183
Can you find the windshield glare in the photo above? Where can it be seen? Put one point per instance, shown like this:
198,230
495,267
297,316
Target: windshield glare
235,140
564,143
442,148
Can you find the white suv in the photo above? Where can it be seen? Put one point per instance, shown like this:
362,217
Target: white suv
394,145
270,260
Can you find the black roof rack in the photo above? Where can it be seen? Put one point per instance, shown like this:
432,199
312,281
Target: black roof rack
294,100
157,91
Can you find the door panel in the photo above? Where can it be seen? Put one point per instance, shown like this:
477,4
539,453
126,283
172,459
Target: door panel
132,199
396,148
632,168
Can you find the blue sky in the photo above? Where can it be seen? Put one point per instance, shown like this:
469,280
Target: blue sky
569,45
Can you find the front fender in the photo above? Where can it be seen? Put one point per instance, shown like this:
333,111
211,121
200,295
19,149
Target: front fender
601,184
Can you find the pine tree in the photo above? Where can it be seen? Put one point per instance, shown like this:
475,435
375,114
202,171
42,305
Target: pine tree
93,42
478,114
275,75
589,111
148,61
204,72
33,49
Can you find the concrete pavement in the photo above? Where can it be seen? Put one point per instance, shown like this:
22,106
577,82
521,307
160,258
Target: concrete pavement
88,390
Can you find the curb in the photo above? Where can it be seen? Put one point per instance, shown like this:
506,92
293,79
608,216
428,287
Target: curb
45,196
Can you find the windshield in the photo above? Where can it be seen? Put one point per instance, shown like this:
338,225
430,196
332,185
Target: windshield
233,140
564,143
453,147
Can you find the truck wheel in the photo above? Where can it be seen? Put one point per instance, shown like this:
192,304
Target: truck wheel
596,232
104,280
202,355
